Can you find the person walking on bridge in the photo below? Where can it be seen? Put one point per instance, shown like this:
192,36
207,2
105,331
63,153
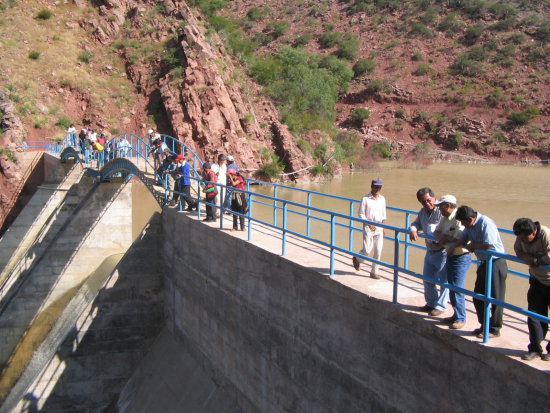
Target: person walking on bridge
481,234
448,231
434,262
210,191
372,208
533,247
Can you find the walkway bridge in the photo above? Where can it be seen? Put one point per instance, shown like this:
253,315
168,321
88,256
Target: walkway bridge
83,212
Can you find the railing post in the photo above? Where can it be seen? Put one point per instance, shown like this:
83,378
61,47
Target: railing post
308,225
285,207
351,226
275,206
249,213
407,225
487,304
396,265
332,239
165,184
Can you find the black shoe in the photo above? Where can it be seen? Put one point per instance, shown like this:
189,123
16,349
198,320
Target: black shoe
189,209
545,357
356,263
449,320
530,355
425,309
477,331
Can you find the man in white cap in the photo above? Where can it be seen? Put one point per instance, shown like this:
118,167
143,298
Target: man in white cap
448,231
372,208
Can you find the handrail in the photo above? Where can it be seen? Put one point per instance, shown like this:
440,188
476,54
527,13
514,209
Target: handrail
335,220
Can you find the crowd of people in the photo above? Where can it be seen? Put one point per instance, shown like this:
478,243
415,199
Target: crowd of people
455,233
95,145
217,178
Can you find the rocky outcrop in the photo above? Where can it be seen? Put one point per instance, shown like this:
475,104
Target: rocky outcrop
206,109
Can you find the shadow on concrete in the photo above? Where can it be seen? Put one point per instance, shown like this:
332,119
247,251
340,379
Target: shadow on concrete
102,345
25,298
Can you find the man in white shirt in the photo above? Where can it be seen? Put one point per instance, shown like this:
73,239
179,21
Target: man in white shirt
372,208
220,169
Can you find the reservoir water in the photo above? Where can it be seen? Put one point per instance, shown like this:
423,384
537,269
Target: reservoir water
502,192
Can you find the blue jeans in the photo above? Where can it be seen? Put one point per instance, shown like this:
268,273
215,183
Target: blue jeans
457,269
434,267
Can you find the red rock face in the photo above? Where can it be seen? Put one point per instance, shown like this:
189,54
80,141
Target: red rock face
207,110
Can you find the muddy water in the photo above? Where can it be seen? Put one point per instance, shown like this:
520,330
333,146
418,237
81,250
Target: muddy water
502,192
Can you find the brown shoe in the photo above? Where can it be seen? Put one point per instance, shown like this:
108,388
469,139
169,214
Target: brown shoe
375,276
435,312
491,335
457,325
356,264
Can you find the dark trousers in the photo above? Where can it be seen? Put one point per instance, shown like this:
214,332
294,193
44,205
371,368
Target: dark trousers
498,291
210,209
538,300
185,196
237,208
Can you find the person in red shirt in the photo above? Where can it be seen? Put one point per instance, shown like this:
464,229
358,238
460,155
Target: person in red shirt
238,198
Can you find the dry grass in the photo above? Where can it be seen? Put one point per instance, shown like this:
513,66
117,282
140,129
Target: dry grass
60,41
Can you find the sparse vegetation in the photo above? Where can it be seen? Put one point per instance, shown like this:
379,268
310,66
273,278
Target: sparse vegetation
363,67
359,115
44,14
34,54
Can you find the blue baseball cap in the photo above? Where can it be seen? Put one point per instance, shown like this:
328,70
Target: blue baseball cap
376,182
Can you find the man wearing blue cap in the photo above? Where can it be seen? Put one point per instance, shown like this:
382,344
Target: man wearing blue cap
372,208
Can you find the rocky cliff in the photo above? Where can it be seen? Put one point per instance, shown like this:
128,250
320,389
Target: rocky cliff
206,108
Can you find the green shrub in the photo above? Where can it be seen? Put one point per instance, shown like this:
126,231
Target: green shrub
450,24
517,38
422,30
376,85
9,154
359,115
422,148
240,44
363,66
400,113
304,146
34,54
329,39
266,70
349,146
422,69
278,28
348,47
257,13
320,152
473,33
500,137
466,66
115,131
85,56
543,32
317,170
63,122
416,57
44,14
262,38
381,150
503,25
521,118
495,97
339,69
302,40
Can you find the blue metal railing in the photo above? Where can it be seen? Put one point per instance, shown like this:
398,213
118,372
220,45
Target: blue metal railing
335,220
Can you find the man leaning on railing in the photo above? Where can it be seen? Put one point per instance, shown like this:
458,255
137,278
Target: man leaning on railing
481,234
533,247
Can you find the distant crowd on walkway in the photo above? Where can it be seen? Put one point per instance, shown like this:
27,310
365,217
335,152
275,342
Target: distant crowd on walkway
455,233
95,145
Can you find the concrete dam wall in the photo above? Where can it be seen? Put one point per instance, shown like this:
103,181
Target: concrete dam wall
284,338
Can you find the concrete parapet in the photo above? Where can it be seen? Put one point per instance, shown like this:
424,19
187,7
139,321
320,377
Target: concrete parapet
290,339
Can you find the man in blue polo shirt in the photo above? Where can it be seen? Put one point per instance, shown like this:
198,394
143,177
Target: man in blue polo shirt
481,234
